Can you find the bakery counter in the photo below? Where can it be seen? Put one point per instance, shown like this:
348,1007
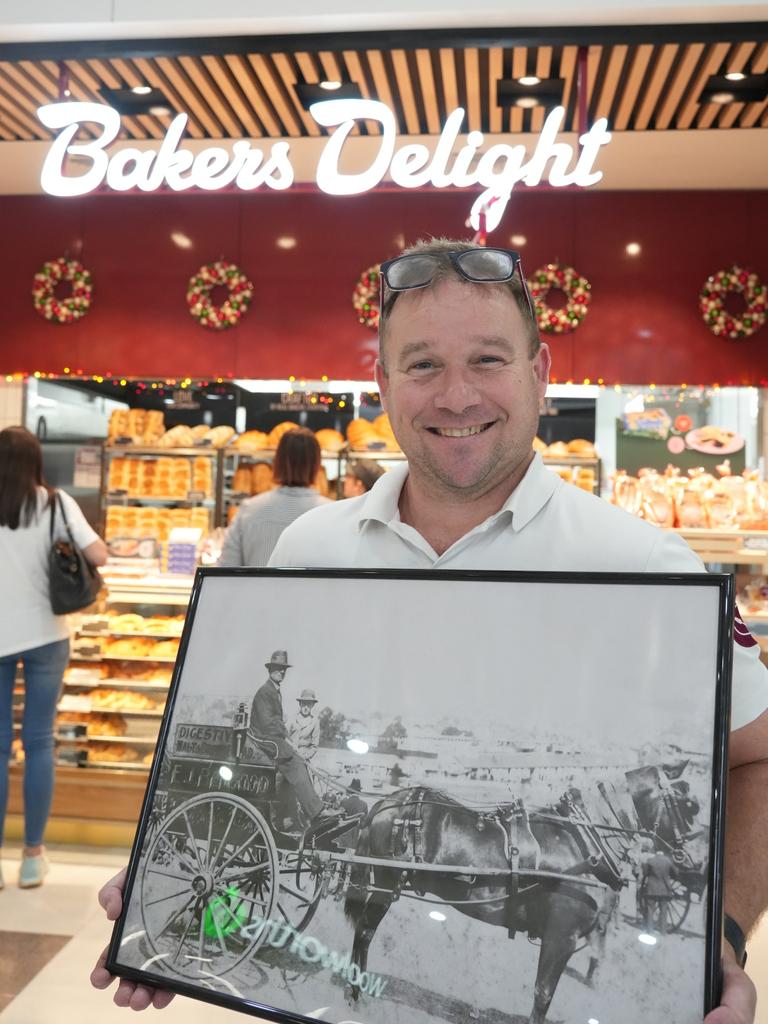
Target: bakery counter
98,795
729,546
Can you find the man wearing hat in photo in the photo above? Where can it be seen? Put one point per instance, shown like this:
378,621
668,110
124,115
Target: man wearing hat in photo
360,476
304,732
268,723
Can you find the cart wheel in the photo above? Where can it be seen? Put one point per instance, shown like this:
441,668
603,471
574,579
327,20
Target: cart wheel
679,904
297,899
208,884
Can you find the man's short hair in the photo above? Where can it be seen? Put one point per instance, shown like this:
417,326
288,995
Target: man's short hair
440,247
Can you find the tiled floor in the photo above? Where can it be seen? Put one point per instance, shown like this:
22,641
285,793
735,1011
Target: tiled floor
50,937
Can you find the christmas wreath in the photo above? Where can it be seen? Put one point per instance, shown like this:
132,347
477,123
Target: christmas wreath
712,305
578,292
74,306
228,314
365,298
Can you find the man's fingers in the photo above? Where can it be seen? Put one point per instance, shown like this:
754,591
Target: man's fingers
124,992
100,976
739,999
161,999
111,895
141,998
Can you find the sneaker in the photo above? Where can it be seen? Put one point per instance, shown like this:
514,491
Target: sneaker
32,872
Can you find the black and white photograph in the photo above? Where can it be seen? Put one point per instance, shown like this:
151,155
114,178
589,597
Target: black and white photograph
385,797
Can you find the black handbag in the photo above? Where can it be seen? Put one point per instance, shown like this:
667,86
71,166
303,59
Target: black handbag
73,581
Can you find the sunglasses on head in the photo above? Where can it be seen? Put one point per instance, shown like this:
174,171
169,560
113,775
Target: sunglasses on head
480,265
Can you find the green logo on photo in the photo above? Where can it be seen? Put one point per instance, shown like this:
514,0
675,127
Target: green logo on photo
220,918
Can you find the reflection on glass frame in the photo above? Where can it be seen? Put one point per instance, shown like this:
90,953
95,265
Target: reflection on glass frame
393,796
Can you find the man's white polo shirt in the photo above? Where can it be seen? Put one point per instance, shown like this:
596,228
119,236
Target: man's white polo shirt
545,525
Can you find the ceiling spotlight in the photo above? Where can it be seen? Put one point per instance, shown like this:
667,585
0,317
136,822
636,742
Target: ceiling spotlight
179,238
735,87
722,97
285,242
317,92
518,241
633,249
139,100
529,91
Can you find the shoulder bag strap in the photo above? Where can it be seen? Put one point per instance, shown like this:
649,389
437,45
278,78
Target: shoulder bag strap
52,503
60,503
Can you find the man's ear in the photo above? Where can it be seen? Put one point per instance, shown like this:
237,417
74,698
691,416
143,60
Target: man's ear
542,362
382,381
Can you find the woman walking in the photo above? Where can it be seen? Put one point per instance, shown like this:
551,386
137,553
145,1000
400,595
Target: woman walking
29,631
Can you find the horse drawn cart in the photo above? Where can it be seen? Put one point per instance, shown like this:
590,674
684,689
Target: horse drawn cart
217,874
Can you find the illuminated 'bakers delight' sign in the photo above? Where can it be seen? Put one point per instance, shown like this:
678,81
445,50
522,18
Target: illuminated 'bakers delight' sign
247,167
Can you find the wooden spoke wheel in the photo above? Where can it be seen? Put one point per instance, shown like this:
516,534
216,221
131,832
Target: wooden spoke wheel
210,879
298,897
678,907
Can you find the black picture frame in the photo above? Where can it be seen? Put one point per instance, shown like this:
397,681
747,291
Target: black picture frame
653,650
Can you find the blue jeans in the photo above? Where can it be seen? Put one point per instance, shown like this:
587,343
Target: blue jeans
43,671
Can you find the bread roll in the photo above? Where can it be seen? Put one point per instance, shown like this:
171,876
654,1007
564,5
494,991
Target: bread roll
165,649
557,450
200,431
241,481
329,440
177,437
127,623
584,449
277,432
361,433
261,478
128,647
252,440
219,436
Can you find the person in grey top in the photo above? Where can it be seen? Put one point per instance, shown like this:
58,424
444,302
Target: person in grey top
260,520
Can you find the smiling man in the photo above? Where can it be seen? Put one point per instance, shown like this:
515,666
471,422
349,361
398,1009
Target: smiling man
462,371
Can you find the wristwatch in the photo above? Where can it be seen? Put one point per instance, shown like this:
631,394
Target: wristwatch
735,936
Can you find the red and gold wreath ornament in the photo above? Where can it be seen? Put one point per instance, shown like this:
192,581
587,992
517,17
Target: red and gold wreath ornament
578,292
231,311
712,305
74,306
365,297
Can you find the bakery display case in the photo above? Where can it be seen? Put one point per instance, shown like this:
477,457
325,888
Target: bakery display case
149,491
116,684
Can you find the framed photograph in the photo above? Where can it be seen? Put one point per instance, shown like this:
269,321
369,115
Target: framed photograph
439,797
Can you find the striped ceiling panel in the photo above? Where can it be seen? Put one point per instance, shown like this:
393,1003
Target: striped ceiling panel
640,86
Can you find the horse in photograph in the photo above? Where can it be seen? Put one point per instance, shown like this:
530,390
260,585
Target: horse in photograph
668,809
420,825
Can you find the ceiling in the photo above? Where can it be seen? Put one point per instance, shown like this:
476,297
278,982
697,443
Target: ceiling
647,79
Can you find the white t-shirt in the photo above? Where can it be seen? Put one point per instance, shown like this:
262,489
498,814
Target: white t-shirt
546,524
26,619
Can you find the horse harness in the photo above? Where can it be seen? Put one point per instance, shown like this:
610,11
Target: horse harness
408,830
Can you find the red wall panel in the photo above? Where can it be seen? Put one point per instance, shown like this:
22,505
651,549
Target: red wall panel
643,324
